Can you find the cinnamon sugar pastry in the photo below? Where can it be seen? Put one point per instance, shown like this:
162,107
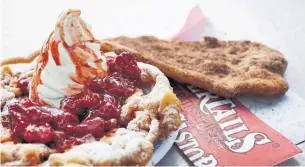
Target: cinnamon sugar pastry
227,68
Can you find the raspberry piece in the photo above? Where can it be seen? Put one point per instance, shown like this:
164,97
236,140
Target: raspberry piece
30,112
96,84
42,133
70,142
128,64
38,114
94,126
18,127
26,102
90,99
59,137
111,124
77,103
75,140
110,99
124,63
116,74
110,61
129,88
119,86
16,107
63,119
105,110
70,129
72,104
23,84
114,85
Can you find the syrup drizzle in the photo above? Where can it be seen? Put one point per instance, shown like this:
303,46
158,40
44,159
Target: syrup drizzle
79,54
55,53
42,62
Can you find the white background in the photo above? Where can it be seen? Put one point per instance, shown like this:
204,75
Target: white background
278,23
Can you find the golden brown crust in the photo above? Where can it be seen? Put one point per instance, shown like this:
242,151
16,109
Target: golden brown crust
18,60
124,147
155,113
23,154
227,68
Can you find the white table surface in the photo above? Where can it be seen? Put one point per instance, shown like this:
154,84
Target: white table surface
278,23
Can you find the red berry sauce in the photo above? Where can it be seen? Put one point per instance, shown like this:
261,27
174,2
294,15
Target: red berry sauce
81,118
23,84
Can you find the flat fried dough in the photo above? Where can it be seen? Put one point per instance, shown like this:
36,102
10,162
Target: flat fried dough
226,68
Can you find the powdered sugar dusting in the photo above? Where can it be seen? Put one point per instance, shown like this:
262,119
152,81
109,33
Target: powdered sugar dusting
141,111
125,147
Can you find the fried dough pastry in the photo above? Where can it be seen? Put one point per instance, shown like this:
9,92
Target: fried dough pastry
155,113
23,154
124,147
226,68
151,113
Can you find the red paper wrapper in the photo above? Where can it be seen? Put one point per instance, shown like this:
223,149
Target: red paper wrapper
193,28
219,131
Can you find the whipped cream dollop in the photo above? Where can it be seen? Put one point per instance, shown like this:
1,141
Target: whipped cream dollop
69,59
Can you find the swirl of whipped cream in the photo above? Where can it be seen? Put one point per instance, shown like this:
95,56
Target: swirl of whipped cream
69,59
72,29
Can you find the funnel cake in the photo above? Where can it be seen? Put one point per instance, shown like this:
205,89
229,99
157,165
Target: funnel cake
85,103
